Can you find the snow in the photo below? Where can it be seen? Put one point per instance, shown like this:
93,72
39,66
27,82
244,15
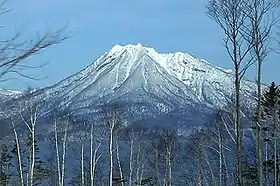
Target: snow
7,92
138,73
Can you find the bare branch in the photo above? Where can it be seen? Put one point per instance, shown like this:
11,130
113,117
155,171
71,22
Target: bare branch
13,51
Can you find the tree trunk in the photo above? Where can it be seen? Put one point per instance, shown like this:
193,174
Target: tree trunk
238,129
33,155
169,166
220,160
82,162
91,156
138,163
18,155
119,163
63,155
275,160
95,160
57,154
198,172
259,125
130,161
156,166
111,156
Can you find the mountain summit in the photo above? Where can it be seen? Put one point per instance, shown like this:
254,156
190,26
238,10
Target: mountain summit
132,69
146,82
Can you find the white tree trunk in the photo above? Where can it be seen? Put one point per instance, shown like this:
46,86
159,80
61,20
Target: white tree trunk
111,156
64,154
31,127
82,162
33,156
220,160
18,155
130,161
138,163
275,160
169,166
119,163
91,156
57,154
142,173
95,160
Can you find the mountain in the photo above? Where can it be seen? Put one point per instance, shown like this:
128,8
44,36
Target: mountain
6,94
169,100
147,84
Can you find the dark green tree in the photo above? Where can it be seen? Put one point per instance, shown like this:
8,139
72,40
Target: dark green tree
271,105
271,100
41,172
5,166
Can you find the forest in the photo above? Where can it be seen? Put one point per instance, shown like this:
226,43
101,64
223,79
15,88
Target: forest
239,145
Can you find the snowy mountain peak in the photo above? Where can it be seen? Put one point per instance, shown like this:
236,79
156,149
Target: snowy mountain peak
161,58
137,74
118,49
134,69
133,74
179,64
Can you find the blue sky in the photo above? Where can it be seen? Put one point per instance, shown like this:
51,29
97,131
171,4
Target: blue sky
166,25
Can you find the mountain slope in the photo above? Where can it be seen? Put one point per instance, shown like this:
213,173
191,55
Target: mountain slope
133,67
149,82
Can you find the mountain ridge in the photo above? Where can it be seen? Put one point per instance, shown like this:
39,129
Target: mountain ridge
135,74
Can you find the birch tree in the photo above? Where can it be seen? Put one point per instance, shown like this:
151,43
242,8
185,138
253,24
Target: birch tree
229,15
112,118
30,118
18,154
94,154
168,146
60,157
82,141
262,17
136,162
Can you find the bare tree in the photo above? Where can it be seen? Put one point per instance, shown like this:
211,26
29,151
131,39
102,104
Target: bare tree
136,159
82,141
119,163
31,122
18,153
131,158
94,156
262,17
112,118
167,146
15,50
60,160
229,15
219,132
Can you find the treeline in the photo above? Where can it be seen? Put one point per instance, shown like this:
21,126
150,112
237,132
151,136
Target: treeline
112,152
248,27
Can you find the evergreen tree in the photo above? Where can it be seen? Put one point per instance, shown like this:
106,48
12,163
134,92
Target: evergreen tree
5,166
41,173
271,105
271,100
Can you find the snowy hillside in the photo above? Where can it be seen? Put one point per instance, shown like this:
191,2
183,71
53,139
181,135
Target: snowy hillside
6,94
146,82
132,69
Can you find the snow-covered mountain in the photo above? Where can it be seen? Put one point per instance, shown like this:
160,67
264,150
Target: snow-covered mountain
148,83
6,94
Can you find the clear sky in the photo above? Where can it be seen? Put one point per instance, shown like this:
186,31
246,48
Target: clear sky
166,25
